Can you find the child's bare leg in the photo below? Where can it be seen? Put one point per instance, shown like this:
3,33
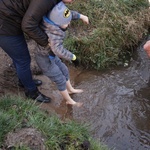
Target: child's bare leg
68,99
71,90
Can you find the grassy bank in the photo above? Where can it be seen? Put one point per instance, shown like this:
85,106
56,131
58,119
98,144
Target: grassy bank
23,126
116,26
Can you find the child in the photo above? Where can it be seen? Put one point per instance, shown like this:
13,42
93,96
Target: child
55,25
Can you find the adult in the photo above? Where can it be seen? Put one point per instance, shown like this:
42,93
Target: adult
147,47
16,18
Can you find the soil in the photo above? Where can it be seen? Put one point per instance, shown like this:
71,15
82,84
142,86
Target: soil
9,86
25,137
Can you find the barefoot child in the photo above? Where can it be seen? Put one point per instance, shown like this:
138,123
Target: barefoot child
55,24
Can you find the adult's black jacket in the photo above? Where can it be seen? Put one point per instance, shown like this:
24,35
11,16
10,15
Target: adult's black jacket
17,16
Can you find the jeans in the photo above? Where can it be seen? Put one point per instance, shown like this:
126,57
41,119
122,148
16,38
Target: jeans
54,69
16,48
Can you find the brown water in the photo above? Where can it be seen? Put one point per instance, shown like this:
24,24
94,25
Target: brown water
117,105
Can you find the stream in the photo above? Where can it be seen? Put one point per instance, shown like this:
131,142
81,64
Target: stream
116,104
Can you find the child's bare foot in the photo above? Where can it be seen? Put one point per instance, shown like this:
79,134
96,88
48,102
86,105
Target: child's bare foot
75,91
78,104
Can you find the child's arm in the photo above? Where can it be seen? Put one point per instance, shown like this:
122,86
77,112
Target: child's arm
84,18
76,16
59,50
56,44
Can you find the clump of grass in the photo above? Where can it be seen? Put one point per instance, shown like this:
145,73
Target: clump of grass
17,113
115,27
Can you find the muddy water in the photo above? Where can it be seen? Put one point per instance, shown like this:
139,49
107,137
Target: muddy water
117,104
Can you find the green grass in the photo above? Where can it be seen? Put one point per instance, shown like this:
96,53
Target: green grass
17,113
116,27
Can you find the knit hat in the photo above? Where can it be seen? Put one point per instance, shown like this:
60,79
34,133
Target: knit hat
60,14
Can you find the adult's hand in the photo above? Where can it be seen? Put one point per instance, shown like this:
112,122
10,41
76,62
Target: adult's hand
147,47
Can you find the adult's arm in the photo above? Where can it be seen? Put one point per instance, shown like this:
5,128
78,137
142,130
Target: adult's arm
33,17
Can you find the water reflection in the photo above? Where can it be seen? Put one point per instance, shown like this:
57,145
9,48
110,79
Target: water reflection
117,105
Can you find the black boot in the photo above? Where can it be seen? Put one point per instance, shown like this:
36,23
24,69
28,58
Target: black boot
36,95
36,81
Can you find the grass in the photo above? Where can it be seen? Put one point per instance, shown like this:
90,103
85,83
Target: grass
17,113
116,27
